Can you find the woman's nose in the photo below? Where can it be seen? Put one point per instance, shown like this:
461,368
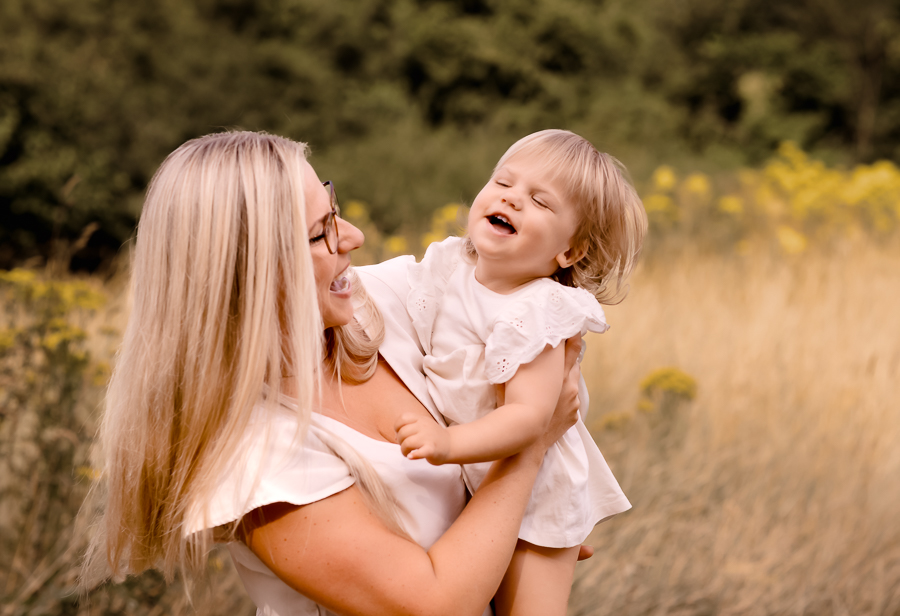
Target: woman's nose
349,237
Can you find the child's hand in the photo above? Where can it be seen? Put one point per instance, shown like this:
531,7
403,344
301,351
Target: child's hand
420,437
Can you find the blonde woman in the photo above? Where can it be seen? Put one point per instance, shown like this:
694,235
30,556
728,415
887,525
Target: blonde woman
248,405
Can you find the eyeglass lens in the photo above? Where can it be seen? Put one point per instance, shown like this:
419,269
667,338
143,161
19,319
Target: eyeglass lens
331,230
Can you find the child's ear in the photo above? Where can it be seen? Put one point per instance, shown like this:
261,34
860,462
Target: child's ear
571,256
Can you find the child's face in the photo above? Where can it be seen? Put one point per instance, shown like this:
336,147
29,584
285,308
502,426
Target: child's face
523,219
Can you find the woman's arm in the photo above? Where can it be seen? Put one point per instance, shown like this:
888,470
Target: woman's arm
530,397
339,554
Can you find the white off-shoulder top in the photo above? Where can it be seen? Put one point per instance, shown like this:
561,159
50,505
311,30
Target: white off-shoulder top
275,466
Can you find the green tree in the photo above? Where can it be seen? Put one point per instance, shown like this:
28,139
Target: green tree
408,103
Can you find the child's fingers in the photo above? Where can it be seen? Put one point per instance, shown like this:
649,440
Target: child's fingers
408,431
413,442
404,420
408,442
422,452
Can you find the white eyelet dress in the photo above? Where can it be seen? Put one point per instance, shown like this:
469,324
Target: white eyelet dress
475,339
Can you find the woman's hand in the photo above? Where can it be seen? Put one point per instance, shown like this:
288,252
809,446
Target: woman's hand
566,413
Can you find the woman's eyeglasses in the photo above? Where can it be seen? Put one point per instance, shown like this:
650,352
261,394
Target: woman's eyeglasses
330,231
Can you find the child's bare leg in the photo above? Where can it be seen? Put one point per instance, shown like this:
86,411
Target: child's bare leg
537,582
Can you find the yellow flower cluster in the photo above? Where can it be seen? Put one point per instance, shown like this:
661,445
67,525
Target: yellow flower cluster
52,298
42,333
793,201
445,221
663,392
671,381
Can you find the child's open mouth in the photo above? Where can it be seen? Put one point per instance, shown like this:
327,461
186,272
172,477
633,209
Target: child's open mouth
501,224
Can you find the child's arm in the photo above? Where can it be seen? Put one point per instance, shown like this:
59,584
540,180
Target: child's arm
530,398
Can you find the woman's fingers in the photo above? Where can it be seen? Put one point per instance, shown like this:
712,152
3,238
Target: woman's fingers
566,413
568,396
573,350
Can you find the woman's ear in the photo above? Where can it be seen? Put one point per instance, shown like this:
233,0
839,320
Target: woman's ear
571,256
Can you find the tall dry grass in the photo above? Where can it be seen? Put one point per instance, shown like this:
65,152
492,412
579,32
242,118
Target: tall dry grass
775,491
781,492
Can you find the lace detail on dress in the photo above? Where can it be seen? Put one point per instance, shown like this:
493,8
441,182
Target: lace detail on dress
502,365
548,315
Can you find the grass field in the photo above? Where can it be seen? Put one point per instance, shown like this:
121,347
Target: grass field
777,489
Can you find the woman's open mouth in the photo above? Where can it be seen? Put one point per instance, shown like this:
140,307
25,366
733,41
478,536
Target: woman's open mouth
501,224
340,285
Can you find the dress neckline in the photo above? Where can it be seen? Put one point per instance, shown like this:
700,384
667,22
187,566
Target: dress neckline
480,288
317,416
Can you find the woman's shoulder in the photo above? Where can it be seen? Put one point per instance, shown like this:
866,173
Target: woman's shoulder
279,460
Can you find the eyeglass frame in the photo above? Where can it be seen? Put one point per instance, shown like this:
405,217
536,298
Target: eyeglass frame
330,223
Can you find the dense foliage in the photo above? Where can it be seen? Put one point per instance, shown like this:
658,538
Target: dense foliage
407,103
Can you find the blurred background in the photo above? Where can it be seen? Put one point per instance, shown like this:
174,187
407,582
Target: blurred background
746,394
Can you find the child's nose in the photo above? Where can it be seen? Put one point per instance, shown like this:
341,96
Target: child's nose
512,200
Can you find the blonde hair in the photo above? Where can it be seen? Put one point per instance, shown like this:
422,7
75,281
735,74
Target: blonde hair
224,308
612,221
352,349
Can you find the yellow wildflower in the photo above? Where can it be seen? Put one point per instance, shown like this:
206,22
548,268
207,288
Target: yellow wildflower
792,242
395,245
664,178
731,204
697,184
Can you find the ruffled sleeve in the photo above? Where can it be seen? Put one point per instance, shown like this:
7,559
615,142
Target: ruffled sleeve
548,314
275,465
427,281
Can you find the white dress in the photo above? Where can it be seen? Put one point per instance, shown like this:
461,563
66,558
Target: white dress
476,339
299,473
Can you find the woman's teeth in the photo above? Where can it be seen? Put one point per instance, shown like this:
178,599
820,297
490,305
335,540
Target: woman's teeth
340,284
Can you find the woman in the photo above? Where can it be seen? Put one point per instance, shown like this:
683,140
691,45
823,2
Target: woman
210,426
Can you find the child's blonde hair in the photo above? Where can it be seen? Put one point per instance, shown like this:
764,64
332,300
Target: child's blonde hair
611,218
224,308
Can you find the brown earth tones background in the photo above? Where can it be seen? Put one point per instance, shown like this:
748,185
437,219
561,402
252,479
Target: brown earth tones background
746,395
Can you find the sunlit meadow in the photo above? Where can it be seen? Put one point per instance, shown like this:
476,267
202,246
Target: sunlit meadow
745,398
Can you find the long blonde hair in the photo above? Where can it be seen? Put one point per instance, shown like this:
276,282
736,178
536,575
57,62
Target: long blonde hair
612,220
224,307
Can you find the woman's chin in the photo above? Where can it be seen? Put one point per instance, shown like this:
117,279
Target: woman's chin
337,315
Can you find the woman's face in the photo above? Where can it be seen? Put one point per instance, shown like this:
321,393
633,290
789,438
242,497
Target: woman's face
332,285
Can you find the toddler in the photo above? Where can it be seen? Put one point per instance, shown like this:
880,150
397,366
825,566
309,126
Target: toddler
554,232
